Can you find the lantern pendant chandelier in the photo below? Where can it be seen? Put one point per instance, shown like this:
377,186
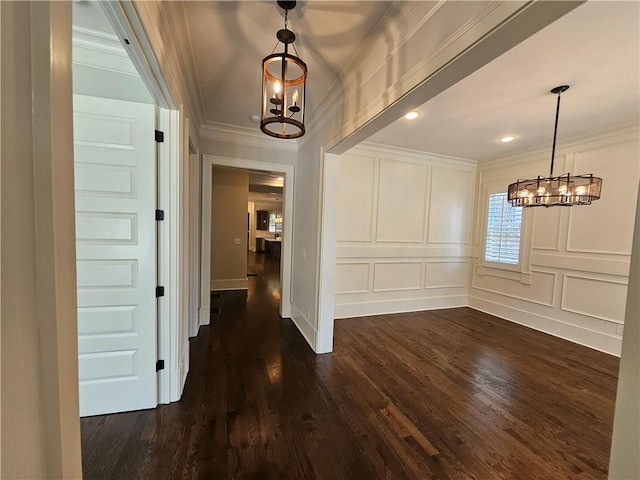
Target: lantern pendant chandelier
284,78
566,190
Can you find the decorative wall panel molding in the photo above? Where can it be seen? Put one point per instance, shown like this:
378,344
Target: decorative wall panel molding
381,307
357,190
613,212
583,263
595,297
401,202
546,229
396,276
446,274
541,290
352,277
451,193
372,250
597,340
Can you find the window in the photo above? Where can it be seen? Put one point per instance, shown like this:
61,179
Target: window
275,222
503,231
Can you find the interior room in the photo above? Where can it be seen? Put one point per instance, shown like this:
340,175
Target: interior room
408,246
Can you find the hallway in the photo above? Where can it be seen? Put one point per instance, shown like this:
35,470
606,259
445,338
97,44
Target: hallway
443,394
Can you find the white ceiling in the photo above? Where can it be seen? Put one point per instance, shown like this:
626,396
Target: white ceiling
595,49
230,39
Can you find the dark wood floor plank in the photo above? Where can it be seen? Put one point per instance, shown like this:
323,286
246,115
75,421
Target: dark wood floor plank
446,394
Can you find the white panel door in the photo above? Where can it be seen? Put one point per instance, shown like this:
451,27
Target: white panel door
115,183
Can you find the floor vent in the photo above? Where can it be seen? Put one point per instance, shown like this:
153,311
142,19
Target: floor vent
216,310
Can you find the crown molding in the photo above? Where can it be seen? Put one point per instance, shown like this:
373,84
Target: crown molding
444,160
104,41
622,133
96,49
244,136
369,54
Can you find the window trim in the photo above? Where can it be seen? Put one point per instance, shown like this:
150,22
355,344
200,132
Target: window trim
521,270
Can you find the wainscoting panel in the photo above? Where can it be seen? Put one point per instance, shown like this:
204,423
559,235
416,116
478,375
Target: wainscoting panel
356,189
446,274
606,226
401,202
546,228
392,276
595,297
452,192
404,236
585,248
540,291
352,277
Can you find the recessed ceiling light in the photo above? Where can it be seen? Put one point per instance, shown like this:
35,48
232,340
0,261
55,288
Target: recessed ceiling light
255,118
507,139
412,115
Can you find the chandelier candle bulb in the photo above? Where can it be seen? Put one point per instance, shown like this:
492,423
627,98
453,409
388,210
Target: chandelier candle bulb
566,190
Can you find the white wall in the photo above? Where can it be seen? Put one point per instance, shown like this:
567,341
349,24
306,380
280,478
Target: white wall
39,404
229,194
404,231
574,284
625,445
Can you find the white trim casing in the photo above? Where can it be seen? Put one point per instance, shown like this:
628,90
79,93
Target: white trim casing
169,275
195,185
327,252
126,22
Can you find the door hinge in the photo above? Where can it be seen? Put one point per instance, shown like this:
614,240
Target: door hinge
159,136
159,365
159,215
159,291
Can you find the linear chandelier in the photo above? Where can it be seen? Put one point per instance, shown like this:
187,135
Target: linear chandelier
284,78
566,190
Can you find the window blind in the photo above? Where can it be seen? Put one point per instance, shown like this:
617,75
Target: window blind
503,231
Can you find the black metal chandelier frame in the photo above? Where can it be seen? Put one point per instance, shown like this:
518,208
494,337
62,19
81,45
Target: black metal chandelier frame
565,190
284,78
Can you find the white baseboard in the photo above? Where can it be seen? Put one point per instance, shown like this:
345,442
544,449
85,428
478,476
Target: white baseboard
349,310
582,336
304,326
229,284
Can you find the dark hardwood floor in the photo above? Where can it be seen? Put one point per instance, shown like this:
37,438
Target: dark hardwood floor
447,394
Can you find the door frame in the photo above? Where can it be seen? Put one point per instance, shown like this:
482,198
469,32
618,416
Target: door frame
172,348
208,161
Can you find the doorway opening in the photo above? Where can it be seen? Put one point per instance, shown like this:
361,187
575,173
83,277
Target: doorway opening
262,236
